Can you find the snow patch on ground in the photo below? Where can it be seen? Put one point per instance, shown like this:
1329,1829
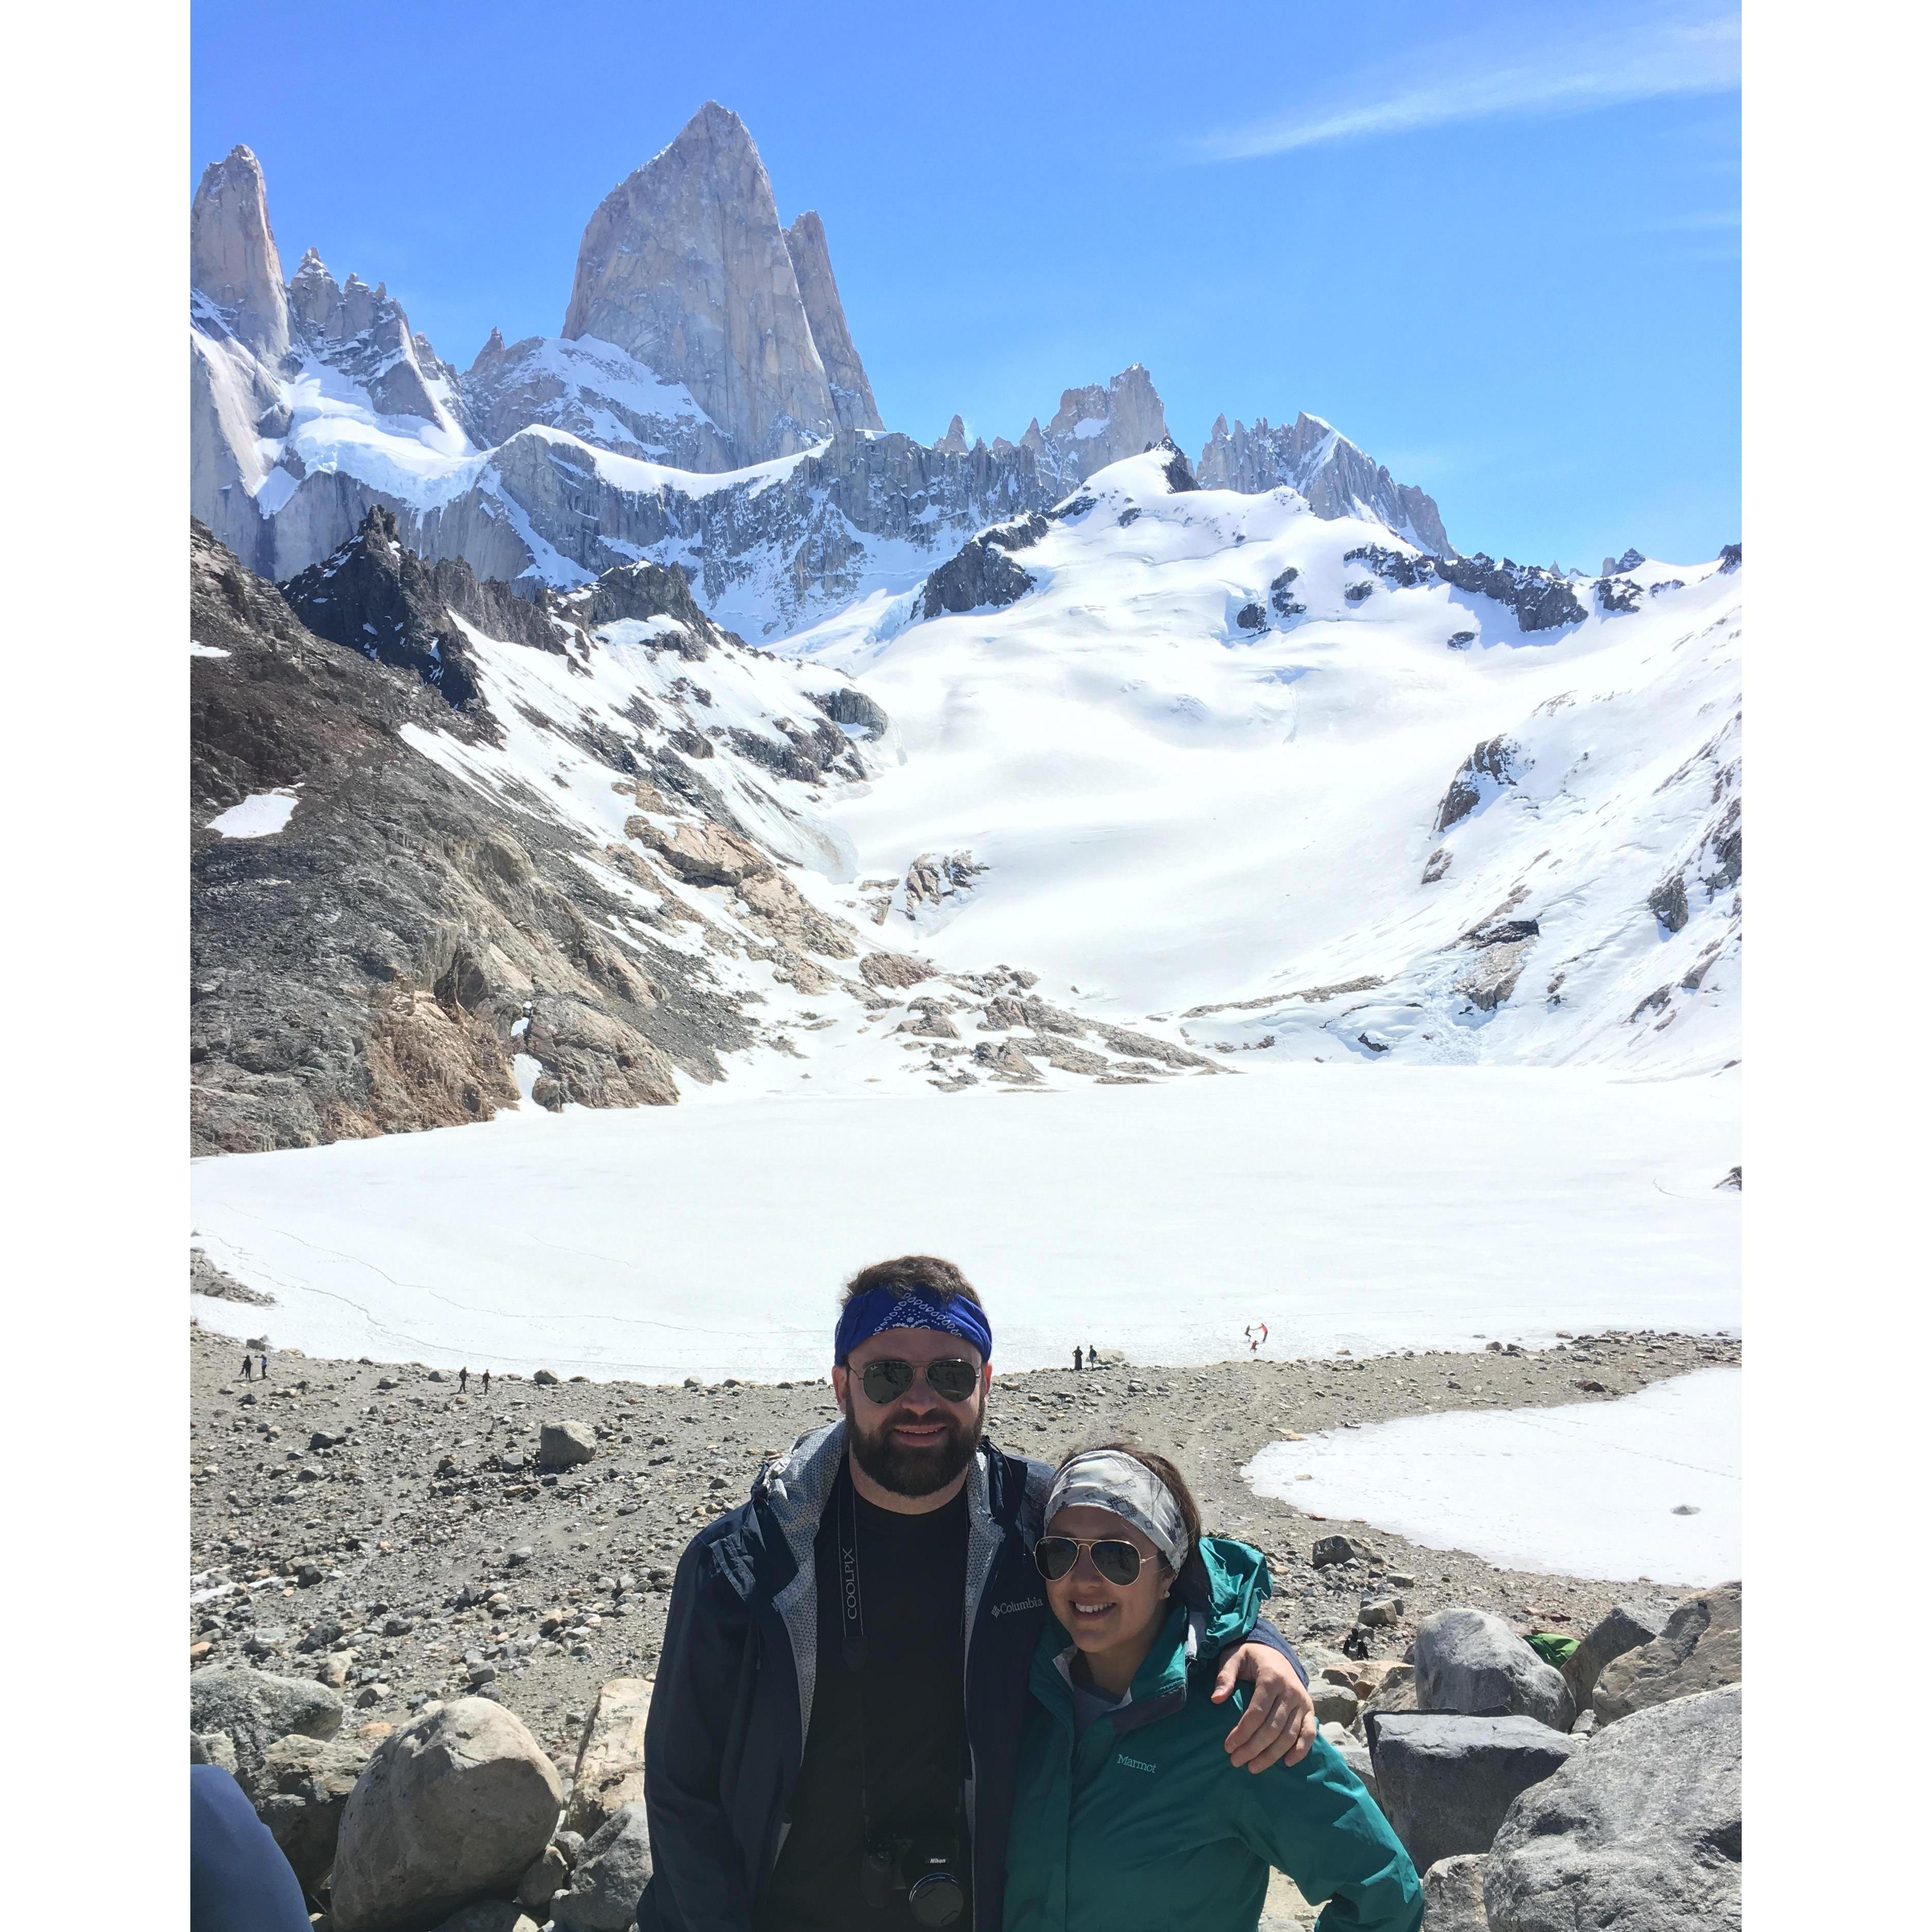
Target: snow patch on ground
1591,1490
260,815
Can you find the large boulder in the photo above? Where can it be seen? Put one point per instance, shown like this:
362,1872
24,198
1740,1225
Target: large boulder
1446,1782
1625,1628
1643,1830
610,1772
1701,1648
563,1445
303,1786
1469,1662
453,1807
489,1914
254,1709
610,1877
1452,1893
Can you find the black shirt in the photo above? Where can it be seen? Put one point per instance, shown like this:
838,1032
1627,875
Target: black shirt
896,1727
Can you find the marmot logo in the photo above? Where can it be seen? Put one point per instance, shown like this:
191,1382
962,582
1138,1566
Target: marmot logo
1025,1603
1133,1763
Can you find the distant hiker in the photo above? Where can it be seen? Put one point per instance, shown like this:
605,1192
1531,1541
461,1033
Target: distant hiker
1076,1358
901,1498
248,1368
265,1365
462,1380
1098,1838
486,1382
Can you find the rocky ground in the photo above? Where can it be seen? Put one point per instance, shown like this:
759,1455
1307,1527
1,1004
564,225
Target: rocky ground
369,1525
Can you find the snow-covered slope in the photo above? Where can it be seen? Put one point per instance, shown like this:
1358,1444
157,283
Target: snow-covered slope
1270,774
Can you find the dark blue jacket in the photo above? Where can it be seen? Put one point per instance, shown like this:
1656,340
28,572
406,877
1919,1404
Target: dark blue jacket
238,1880
732,1704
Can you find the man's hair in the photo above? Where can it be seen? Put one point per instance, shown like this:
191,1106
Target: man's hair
908,1273
1176,1482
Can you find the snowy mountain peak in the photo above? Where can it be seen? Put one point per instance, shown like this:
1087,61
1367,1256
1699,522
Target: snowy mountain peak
1336,477
232,257
685,266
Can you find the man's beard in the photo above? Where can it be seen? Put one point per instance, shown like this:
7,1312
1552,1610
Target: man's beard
914,1472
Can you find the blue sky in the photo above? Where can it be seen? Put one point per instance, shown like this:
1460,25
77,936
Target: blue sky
1497,245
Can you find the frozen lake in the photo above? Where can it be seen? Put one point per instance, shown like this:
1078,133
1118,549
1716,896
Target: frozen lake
1591,1490
1369,1208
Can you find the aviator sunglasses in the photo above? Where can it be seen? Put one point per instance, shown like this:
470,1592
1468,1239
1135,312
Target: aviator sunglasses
887,1378
1118,1560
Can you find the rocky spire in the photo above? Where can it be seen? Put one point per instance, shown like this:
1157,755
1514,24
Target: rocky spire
1095,426
953,442
811,262
232,258
684,265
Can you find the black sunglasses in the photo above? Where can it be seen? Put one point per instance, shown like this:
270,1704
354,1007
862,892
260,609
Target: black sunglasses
886,1378
1118,1562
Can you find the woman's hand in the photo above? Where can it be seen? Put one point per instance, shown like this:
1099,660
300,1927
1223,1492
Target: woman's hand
1278,1727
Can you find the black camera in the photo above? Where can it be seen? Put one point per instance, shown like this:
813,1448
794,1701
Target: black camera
923,1869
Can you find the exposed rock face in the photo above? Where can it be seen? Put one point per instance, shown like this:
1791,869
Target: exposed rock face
363,333
983,575
231,255
1452,1893
1700,1649
1324,466
1542,600
593,391
374,596
1642,1831
1097,425
453,1807
1492,767
358,972
305,1782
684,266
811,262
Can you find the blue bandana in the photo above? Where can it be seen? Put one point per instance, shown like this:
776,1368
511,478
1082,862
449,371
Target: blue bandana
866,1315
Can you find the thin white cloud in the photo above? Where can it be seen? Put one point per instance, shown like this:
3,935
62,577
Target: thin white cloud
1640,53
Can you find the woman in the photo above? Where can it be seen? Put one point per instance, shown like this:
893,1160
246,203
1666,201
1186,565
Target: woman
1129,1814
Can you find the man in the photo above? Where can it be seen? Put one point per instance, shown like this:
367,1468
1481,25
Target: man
248,1368
1076,1358
462,1381
843,1676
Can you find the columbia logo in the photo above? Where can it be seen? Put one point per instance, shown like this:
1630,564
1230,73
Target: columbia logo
1025,1603
1133,1763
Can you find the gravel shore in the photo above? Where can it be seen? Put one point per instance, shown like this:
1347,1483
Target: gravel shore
366,1523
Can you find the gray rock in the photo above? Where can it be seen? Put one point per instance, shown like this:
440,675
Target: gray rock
1642,1832
489,1914
544,1881
1334,1703
303,1784
1470,1662
1624,1628
1330,1549
455,1806
254,1708
1701,1648
611,1874
212,1747
1446,1781
563,1445
1452,1893
609,1770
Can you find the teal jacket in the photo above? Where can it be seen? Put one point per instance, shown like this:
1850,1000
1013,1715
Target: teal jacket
1144,1824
